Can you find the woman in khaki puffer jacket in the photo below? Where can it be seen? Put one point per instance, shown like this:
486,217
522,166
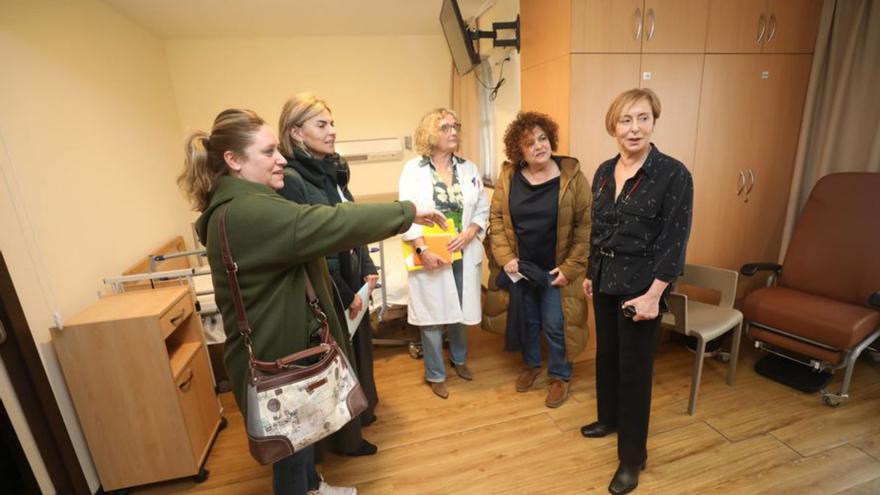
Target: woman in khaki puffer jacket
540,214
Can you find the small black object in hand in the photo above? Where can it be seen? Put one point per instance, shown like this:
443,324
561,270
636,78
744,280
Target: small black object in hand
629,311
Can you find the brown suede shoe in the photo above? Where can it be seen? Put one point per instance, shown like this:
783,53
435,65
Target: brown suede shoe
558,393
526,379
439,389
462,371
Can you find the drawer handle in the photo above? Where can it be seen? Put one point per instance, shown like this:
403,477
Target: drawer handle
177,318
186,383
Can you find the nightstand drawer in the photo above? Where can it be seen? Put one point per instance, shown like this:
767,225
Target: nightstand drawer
175,315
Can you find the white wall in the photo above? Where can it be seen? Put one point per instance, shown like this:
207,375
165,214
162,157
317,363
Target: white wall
377,86
508,101
91,144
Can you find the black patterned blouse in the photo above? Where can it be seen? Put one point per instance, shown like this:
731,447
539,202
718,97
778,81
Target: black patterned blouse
642,235
448,198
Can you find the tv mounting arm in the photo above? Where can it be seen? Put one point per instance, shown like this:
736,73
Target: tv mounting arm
493,34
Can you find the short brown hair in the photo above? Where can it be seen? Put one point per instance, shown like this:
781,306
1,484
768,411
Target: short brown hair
625,100
428,132
519,130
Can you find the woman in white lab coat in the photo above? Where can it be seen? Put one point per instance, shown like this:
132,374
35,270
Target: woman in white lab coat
445,294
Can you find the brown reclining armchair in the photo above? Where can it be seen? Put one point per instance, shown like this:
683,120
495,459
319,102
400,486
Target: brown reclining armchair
825,309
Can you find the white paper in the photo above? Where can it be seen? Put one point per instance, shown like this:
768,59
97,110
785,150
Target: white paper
353,324
515,277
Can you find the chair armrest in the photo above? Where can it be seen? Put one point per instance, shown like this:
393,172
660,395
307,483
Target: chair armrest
874,299
750,269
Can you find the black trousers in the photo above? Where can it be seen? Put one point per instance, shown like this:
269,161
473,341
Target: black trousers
624,374
296,474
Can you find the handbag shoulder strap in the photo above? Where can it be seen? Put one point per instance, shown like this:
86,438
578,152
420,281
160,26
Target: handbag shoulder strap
244,326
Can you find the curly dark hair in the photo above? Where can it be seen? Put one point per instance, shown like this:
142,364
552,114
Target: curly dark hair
520,130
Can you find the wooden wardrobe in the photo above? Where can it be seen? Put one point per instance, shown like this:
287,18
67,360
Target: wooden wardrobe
731,76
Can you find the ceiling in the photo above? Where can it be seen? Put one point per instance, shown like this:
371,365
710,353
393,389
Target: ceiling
197,19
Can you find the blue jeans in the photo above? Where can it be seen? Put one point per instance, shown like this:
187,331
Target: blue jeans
544,306
432,340
296,474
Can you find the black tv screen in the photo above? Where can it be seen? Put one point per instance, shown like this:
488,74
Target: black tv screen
457,37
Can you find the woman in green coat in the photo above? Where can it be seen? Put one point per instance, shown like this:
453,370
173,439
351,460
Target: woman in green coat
276,244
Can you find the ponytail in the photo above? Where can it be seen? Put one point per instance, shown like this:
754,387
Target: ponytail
204,162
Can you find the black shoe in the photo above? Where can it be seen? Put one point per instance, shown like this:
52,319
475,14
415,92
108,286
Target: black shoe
366,448
597,430
626,479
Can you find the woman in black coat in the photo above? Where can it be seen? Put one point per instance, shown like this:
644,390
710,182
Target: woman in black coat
315,174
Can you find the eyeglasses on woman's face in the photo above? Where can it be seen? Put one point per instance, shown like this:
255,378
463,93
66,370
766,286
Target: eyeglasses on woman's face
447,128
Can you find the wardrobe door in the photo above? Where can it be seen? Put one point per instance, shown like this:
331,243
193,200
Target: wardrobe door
607,26
792,26
595,81
545,88
779,102
738,26
675,26
723,154
676,80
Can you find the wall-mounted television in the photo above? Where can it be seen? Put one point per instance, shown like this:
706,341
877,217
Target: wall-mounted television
458,37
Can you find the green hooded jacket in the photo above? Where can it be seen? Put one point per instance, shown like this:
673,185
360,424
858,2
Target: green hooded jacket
275,242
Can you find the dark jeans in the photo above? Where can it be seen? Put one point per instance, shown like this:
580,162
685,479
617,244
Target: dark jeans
624,374
295,475
544,309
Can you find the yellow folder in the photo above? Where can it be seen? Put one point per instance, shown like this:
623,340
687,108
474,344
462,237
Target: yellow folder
436,239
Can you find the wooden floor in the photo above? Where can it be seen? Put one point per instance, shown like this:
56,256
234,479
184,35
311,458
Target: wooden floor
756,437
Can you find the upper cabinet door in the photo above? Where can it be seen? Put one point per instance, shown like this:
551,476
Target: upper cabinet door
739,26
792,26
675,26
544,31
607,26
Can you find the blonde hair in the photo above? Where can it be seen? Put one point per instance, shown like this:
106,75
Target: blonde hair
625,100
428,132
296,111
233,130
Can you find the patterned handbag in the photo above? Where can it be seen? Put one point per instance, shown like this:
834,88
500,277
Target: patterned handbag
291,406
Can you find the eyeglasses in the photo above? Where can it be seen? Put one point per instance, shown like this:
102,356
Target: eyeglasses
446,128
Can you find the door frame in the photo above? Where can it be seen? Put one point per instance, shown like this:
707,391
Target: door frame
31,386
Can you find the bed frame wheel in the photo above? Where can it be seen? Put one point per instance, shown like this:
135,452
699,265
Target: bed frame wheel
415,350
202,476
831,400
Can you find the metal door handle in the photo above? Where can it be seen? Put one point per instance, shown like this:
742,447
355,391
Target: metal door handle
772,28
740,183
653,17
751,182
762,27
637,15
2,333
